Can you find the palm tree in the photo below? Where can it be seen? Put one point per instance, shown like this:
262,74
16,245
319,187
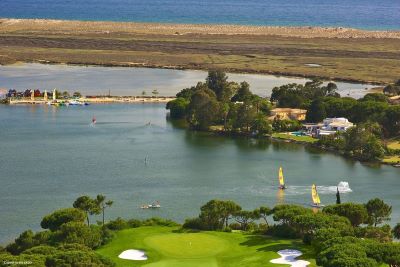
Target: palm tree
103,204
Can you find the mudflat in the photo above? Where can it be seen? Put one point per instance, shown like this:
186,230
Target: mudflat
333,53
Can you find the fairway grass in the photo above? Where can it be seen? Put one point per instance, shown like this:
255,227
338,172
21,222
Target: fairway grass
165,247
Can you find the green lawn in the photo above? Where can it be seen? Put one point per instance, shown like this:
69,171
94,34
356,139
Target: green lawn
165,247
391,159
394,145
307,139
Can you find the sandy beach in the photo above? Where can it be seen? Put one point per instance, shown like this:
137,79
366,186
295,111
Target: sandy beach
107,27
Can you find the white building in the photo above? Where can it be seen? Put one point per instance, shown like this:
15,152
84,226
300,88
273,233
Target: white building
329,126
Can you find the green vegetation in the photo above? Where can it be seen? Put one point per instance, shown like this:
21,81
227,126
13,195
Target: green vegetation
169,247
354,59
391,160
224,234
305,138
362,142
218,102
392,89
229,107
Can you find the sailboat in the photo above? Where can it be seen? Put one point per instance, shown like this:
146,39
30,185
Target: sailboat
315,197
281,179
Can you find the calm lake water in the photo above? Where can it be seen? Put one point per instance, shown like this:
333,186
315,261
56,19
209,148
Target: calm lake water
132,81
49,156
366,14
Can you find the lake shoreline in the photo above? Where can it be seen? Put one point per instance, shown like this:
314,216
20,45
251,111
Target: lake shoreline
230,70
299,142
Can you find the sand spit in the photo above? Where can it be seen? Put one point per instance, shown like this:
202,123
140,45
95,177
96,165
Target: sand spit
103,27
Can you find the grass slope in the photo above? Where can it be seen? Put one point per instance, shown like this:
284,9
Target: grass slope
307,139
165,247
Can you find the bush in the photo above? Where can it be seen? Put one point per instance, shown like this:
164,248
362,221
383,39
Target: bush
133,223
76,232
42,250
117,224
33,260
193,223
235,226
54,220
155,221
27,240
77,259
283,231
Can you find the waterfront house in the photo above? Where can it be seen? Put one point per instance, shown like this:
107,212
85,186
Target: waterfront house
328,126
288,114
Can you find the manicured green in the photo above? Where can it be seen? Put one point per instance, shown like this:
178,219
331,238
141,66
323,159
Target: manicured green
307,139
166,247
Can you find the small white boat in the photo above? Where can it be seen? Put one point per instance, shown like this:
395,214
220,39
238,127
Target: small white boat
154,205
76,103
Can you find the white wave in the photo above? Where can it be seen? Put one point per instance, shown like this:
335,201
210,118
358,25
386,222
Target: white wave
343,187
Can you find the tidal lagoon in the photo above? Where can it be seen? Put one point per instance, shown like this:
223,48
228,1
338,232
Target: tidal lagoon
125,81
50,156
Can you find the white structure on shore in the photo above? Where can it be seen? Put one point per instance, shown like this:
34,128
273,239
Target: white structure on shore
32,95
329,126
45,96
54,95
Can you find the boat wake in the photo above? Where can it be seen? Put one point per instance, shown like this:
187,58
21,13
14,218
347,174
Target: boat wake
343,187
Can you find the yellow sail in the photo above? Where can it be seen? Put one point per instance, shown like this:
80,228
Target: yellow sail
314,195
281,180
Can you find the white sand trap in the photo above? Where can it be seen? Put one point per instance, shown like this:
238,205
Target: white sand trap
133,254
288,256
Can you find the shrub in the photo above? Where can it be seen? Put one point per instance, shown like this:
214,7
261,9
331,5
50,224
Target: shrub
193,223
117,224
133,223
283,230
77,259
159,221
54,220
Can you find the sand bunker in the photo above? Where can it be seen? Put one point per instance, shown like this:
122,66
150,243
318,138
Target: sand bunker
288,256
133,254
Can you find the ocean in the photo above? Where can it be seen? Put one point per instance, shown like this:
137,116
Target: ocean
363,14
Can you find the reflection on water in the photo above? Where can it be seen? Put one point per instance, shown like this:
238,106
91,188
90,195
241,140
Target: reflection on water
280,197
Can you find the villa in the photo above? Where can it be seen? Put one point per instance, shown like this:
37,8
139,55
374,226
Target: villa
328,126
288,114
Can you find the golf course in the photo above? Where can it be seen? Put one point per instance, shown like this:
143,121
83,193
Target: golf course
167,246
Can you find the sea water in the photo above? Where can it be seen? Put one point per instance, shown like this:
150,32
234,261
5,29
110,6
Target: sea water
365,14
